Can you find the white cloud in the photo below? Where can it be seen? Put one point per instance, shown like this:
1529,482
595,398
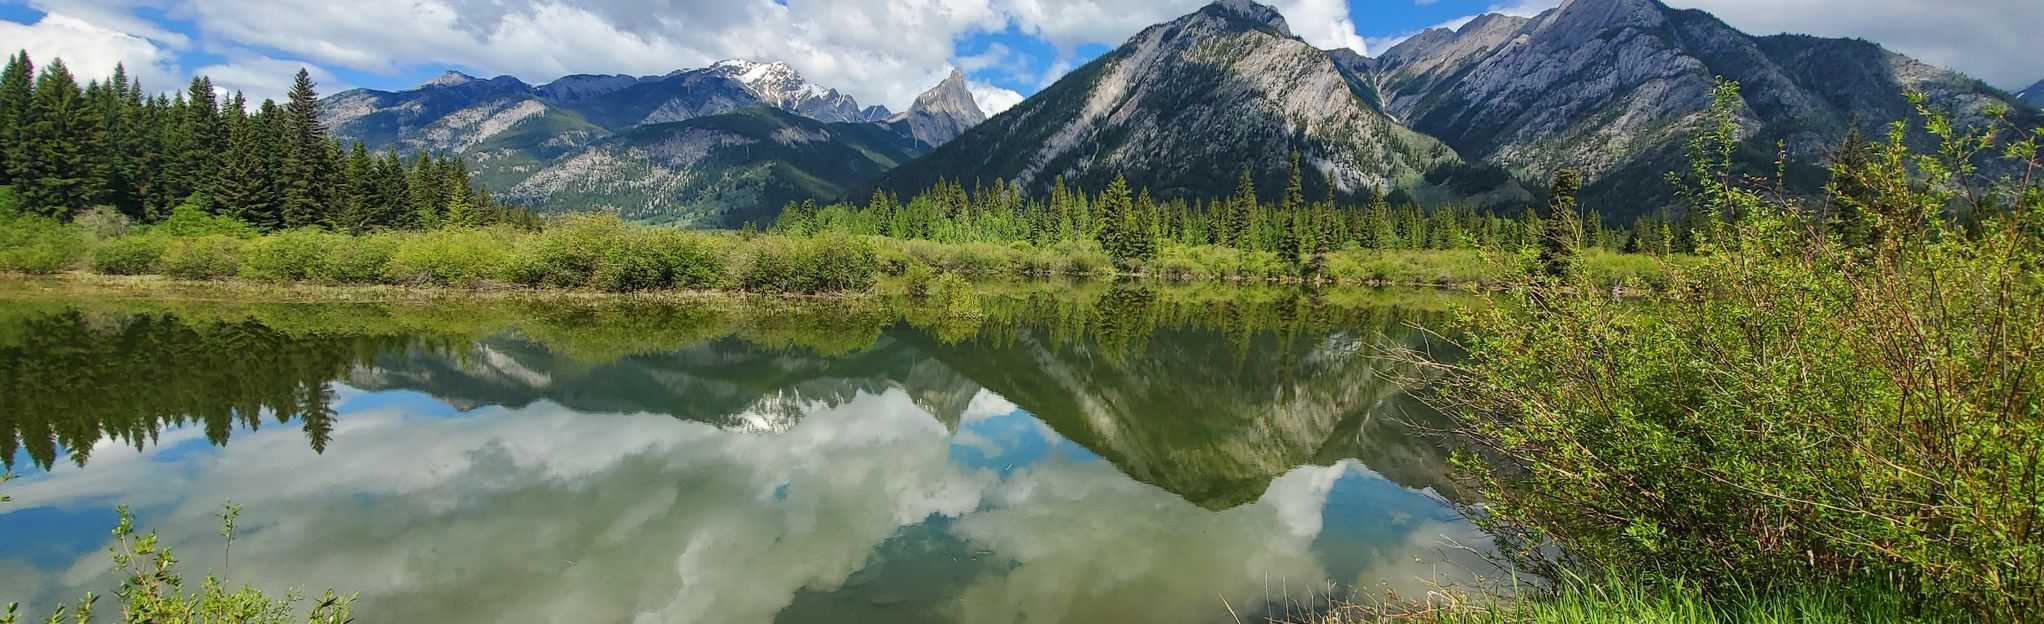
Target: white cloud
991,99
1324,23
91,52
260,77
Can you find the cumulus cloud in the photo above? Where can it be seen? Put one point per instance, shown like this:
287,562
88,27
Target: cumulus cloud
91,52
992,99
261,77
638,517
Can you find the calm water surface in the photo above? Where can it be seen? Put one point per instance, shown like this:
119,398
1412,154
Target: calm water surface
1128,460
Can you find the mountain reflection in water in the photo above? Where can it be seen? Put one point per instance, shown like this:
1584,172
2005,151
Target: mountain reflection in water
1126,456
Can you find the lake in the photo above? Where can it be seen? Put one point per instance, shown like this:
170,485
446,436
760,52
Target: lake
1098,454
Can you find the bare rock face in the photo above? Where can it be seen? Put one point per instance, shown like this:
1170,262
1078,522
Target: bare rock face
1614,88
1183,107
940,114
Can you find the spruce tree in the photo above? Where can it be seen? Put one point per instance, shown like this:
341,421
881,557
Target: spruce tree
1242,213
1561,236
305,169
17,95
61,174
241,183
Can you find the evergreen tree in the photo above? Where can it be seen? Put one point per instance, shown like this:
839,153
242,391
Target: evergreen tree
241,184
1291,218
304,173
1849,195
1561,236
1241,213
17,96
61,174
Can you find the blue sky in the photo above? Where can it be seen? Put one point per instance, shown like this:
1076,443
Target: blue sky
880,51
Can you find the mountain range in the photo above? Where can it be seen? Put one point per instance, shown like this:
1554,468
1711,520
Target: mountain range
1482,114
712,147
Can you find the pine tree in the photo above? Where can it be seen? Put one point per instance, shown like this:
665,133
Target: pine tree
1116,219
17,98
1561,236
1241,213
61,174
1142,228
305,169
1291,218
1849,194
241,183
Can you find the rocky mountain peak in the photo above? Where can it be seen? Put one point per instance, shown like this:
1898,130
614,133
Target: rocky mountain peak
449,78
1251,11
951,97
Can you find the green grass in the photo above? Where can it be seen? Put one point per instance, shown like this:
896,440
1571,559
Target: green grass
1617,601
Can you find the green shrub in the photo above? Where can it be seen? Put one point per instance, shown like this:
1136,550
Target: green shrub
955,296
292,256
129,255
657,259
1797,408
362,259
1084,259
568,254
827,263
205,257
450,257
104,222
34,244
191,218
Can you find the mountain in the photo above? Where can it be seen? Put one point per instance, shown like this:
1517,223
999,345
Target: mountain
693,146
715,171
1615,87
2034,95
940,114
779,85
1184,106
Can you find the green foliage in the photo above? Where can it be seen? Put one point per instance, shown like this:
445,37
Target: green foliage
136,254
191,218
35,244
1793,407
568,254
825,264
661,259
299,255
213,256
453,257
152,591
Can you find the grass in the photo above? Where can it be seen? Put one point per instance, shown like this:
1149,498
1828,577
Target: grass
1615,600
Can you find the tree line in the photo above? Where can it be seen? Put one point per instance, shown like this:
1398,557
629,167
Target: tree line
110,143
1131,225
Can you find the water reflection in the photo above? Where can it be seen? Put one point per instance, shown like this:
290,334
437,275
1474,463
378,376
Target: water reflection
1132,456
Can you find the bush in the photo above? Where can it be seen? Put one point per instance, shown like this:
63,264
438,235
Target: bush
358,260
451,257
201,258
1084,259
568,254
33,244
655,259
1794,409
129,255
191,218
954,296
104,222
291,256
828,263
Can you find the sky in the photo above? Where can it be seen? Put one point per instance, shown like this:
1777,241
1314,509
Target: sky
879,51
